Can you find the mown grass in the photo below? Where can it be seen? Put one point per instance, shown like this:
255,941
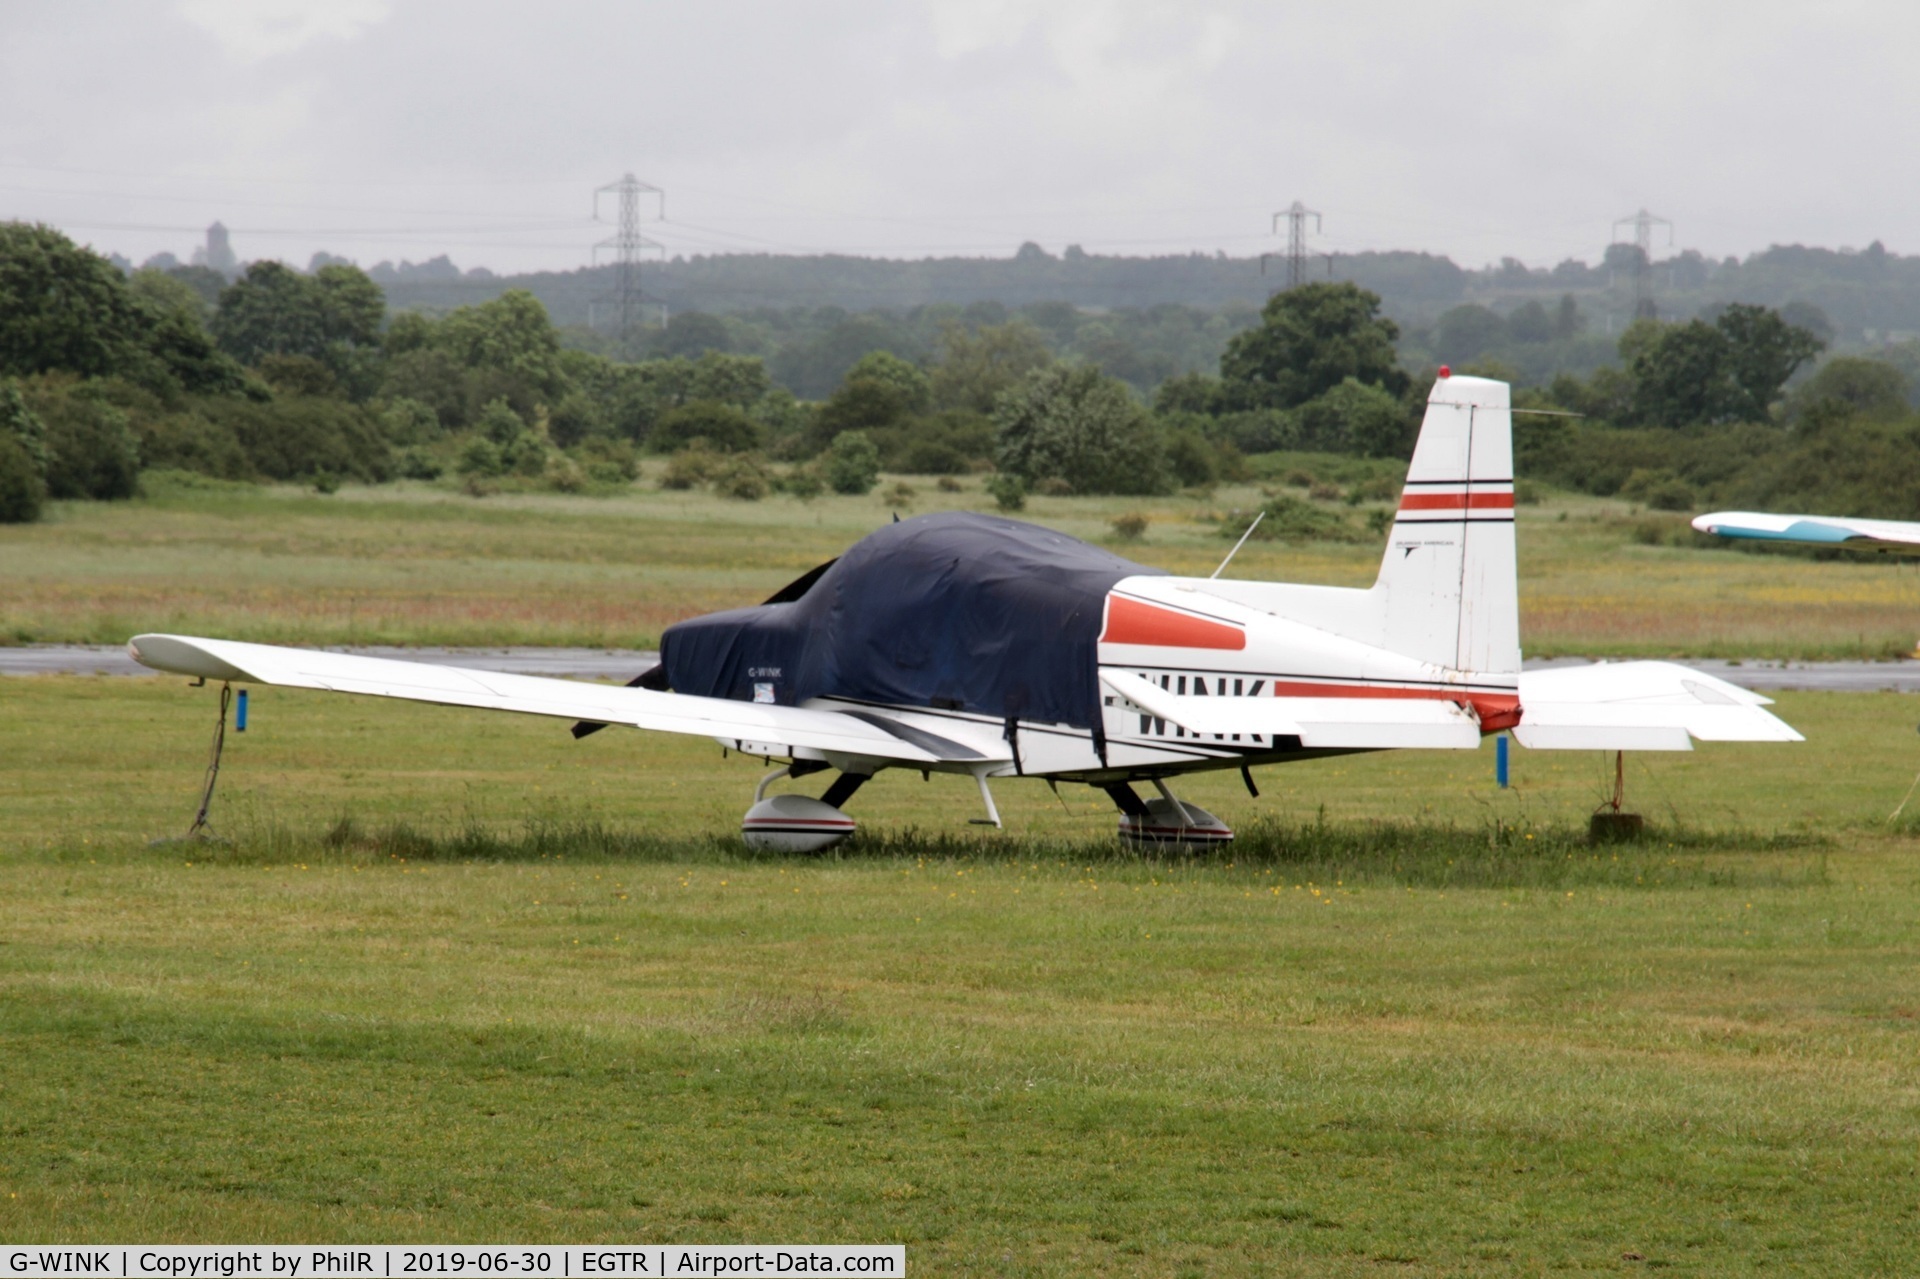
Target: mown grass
445,975
414,564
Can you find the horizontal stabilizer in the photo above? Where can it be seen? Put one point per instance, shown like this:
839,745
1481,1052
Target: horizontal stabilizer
1640,706
1325,723
755,727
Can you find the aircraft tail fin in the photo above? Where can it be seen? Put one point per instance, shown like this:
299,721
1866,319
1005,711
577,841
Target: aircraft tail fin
1449,584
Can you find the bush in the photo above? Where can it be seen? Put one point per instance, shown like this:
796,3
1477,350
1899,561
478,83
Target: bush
480,456
409,422
92,451
189,441
419,464
901,494
1660,489
609,461
526,454
297,375
292,438
1376,488
1009,492
743,477
804,482
1130,527
930,457
563,474
720,426
689,468
575,418
22,492
1356,418
852,463
948,484
1288,519
1192,459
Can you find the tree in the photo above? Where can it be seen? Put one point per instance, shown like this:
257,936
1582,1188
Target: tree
1567,320
1187,393
22,491
906,378
510,335
1682,375
1729,371
861,404
1311,339
164,292
64,308
1530,322
691,333
739,380
1082,427
352,306
976,367
333,316
270,310
23,426
61,307
1765,352
1849,386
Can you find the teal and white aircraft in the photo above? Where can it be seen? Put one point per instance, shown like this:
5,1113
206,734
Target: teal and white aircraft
1824,530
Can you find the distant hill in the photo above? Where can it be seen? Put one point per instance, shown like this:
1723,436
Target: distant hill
1869,296
732,283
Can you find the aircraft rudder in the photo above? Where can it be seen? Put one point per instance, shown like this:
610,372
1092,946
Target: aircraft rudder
1449,577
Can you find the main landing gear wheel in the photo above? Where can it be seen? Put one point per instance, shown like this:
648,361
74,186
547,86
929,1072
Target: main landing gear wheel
797,823
1166,822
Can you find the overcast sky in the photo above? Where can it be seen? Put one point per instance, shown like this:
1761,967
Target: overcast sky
390,129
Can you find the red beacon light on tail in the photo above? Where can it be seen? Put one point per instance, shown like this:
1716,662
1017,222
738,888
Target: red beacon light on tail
1445,371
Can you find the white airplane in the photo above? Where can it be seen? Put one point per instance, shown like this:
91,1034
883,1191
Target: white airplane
1826,530
986,647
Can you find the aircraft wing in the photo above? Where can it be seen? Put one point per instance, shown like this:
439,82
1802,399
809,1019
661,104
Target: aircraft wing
749,726
1350,723
1640,706
1823,529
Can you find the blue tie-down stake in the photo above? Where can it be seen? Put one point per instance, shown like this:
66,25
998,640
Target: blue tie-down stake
240,726
1499,751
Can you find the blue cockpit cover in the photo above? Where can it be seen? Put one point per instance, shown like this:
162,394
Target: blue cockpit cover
953,610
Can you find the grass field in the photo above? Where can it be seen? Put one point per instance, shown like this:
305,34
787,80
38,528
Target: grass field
447,975
410,564
458,976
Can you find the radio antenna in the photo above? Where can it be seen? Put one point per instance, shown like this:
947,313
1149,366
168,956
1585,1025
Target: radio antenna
1237,545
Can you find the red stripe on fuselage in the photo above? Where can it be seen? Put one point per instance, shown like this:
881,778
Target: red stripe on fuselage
1456,501
1132,622
1497,711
